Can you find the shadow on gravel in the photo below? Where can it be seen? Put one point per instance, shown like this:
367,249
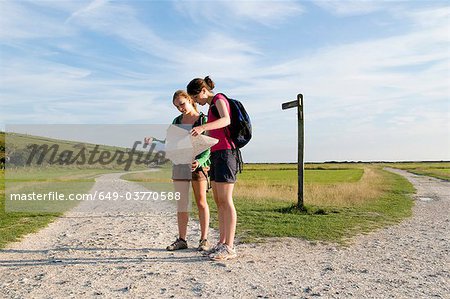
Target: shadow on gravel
131,215
46,251
60,261
96,260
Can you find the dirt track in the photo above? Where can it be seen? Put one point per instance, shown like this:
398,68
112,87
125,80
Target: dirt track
117,254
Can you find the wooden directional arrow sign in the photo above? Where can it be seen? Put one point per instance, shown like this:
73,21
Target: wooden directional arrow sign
288,105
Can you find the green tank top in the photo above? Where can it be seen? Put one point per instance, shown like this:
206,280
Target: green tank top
202,158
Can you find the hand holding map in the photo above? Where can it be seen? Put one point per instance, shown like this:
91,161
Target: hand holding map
182,148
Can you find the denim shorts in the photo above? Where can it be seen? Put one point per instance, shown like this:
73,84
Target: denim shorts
224,166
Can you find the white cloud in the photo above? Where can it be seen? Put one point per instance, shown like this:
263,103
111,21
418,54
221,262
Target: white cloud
66,7
46,87
437,16
351,73
119,20
43,91
206,55
92,6
352,7
394,91
218,55
18,21
232,13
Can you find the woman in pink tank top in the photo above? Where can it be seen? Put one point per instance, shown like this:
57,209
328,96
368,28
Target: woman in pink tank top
224,162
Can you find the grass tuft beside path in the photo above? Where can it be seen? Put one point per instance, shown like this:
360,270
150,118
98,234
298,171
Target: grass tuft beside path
15,225
440,170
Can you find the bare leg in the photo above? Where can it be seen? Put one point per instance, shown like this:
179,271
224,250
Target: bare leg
228,211
182,207
199,188
219,212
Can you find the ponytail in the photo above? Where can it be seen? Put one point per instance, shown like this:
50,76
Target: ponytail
209,83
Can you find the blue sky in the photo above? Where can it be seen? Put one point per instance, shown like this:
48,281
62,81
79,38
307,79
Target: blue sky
375,74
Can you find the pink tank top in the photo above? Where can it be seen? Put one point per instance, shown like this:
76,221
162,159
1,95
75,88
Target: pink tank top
221,134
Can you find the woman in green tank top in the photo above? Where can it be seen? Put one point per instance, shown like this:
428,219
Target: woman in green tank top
195,174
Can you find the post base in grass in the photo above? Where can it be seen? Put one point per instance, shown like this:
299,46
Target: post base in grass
300,208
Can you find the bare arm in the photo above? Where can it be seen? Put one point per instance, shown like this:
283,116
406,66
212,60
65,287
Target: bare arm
222,122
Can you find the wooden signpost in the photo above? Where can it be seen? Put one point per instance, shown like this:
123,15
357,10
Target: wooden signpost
301,144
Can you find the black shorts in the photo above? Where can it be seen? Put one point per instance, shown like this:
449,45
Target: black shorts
224,166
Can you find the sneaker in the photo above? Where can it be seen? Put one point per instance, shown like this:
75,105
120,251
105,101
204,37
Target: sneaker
178,244
224,253
212,249
203,245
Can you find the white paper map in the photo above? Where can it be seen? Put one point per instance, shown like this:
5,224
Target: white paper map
182,147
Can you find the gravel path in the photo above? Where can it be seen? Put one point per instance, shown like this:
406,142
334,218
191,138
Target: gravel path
95,253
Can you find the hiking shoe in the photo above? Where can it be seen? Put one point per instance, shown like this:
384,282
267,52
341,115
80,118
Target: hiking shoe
203,245
212,249
224,253
177,245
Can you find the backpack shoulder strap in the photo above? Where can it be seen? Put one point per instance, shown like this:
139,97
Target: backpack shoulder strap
203,118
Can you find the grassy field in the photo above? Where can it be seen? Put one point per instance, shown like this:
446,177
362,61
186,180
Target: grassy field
159,180
20,218
15,225
324,183
338,204
20,141
342,200
35,151
440,170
